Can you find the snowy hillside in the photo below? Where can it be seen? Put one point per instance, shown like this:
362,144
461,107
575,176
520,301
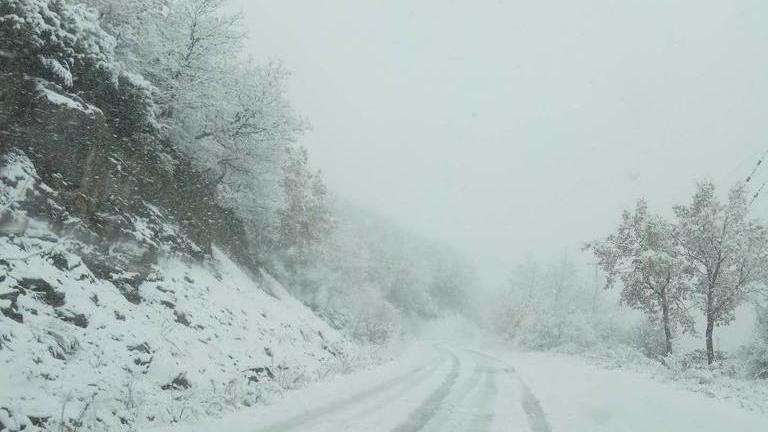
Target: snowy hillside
193,338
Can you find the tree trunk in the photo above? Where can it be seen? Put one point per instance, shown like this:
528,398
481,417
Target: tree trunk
710,346
710,322
667,326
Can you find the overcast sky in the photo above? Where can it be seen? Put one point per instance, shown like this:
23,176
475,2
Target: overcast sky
514,128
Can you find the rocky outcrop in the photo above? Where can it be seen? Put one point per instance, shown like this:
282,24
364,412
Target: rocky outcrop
105,178
68,140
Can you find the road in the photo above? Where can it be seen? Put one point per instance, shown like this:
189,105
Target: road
446,387
456,390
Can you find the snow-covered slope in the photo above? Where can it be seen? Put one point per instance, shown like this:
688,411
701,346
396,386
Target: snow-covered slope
187,338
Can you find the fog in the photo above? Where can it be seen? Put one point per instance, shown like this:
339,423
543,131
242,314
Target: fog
383,216
514,128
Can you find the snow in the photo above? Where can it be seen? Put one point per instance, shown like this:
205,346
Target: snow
232,326
72,343
452,387
59,70
16,175
308,404
192,355
59,97
577,396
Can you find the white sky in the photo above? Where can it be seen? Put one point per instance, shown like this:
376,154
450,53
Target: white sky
514,128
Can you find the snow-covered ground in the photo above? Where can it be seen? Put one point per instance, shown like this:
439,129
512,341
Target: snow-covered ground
453,387
577,395
341,402
114,350
198,344
431,387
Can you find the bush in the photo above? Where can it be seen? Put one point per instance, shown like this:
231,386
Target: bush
756,361
576,329
375,322
755,356
649,339
693,365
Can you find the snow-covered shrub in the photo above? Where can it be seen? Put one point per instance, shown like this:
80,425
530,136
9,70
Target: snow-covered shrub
573,331
363,315
693,366
648,337
541,331
756,360
755,356
375,322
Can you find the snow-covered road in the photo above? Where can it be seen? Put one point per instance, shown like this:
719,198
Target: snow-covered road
443,388
433,388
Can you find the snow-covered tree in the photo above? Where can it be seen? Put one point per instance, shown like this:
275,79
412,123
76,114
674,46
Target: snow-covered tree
726,253
547,305
251,129
65,44
305,220
53,39
245,145
452,281
182,46
517,303
229,115
642,255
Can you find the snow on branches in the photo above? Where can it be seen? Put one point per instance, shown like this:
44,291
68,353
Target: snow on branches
55,37
711,257
725,253
642,255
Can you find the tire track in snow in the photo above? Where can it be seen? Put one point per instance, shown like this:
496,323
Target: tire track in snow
393,394
431,405
483,420
471,405
357,398
443,420
537,419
